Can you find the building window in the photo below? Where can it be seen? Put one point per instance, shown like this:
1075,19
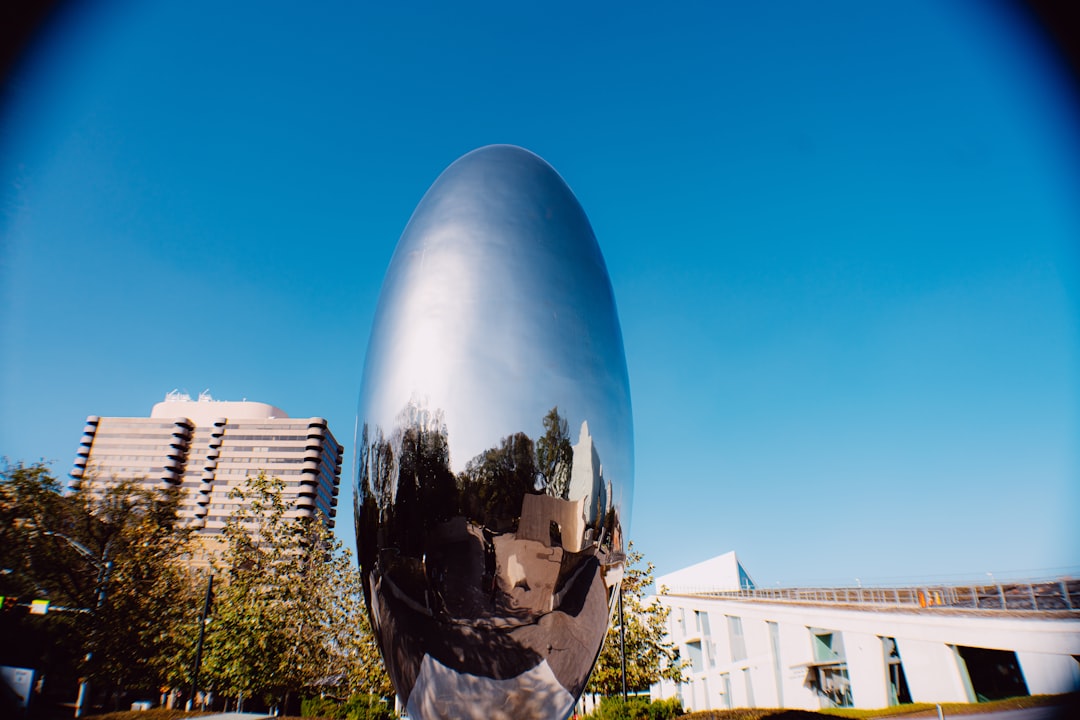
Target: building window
693,649
899,694
829,676
778,678
994,674
735,633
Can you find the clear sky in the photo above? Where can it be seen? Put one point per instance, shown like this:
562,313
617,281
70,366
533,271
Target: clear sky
843,238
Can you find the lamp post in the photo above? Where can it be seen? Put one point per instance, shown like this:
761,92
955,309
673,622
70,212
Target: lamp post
622,642
202,634
104,567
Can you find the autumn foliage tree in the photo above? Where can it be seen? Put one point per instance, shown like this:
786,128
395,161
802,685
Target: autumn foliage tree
110,556
650,655
289,617
555,454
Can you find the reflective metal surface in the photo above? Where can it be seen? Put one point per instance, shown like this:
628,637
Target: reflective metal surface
494,447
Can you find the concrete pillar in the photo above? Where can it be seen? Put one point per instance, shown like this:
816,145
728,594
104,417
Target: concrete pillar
934,672
1047,674
760,654
795,654
866,670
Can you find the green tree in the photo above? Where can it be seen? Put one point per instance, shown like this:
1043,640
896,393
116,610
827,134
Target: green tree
249,639
353,644
555,455
114,549
289,617
145,591
650,656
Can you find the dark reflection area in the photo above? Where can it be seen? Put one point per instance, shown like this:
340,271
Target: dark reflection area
511,562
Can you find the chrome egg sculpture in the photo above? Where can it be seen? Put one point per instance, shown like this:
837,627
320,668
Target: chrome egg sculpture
494,466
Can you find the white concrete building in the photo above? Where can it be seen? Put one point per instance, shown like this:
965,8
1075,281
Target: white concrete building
866,647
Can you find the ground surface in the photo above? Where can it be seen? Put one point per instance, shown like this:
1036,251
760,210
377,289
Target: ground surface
1040,707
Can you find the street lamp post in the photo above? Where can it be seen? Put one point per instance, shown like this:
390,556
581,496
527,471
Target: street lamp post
202,634
622,642
104,567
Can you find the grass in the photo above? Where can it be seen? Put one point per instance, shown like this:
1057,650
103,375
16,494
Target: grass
155,714
914,710
163,714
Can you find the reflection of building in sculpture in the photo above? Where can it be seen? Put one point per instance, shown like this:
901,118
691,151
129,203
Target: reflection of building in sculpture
865,647
208,447
496,309
542,516
587,479
489,605
499,578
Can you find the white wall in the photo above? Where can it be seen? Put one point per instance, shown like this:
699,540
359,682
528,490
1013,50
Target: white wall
1047,674
925,640
795,654
934,672
866,669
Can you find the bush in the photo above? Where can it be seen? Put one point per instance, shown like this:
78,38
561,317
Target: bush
321,707
357,707
367,707
637,708
665,709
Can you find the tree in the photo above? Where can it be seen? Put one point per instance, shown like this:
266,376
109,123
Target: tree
145,590
289,616
555,455
650,656
352,640
113,551
247,641
30,502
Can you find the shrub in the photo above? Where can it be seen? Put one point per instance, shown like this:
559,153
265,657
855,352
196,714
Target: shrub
665,709
367,707
637,708
357,707
321,707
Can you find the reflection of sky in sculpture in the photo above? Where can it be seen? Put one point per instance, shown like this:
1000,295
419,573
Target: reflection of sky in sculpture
494,446
497,306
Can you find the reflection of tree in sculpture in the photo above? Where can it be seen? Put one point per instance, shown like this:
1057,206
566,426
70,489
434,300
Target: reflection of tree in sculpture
405,483
407,487
554,454
372,502
494,482
465,567
426,490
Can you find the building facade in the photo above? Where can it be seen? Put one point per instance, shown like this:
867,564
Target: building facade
866,647
208,447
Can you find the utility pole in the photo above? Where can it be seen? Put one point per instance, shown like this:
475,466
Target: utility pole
202,634
104,567
622,642
103,578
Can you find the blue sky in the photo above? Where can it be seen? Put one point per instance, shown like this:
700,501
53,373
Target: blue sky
843,238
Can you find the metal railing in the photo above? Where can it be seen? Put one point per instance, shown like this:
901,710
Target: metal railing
1062,595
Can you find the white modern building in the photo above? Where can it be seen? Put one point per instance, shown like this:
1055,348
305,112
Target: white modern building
811,648
208,447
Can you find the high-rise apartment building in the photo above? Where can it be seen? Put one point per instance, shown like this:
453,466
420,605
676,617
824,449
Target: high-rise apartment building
208,447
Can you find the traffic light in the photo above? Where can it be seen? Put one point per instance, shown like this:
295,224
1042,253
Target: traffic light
8,603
